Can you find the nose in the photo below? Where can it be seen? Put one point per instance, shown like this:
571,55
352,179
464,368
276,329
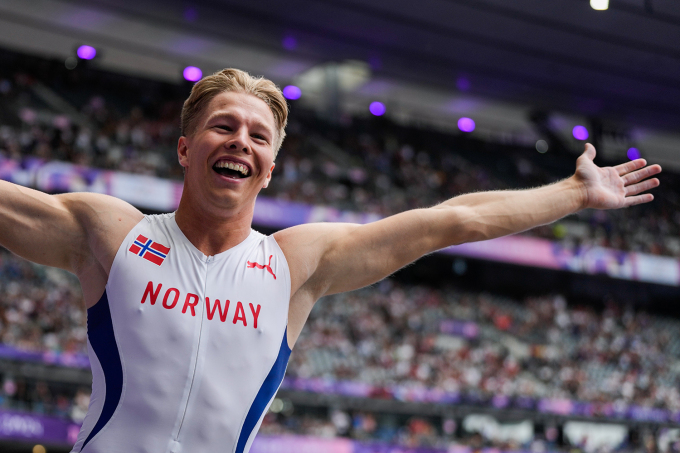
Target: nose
235,145
239,141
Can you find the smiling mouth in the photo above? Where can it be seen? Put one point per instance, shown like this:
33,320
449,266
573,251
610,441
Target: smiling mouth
232,170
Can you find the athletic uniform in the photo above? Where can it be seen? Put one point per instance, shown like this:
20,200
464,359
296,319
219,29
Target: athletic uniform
187,350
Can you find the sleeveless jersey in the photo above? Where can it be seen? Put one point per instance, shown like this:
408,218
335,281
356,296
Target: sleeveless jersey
187,351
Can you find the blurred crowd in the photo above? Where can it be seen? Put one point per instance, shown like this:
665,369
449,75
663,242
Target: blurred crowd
93,136
405,431
390,334
384,431
46,398
41,309
362,164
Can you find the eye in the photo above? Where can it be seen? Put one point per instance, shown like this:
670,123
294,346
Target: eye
259,137
223,127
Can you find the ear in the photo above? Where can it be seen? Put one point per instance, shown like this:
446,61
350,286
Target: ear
183,152
269,177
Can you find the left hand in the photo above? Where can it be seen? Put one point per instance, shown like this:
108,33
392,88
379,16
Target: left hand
614,187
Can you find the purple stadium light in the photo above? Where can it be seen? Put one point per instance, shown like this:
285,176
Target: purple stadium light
580,133
289,43
463,83
377,108
86,52
292,92
466,124
633,153
192,73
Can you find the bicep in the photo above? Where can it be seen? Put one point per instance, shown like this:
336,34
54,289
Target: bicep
365,254
56,230
37,226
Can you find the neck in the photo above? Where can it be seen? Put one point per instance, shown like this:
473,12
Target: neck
210,231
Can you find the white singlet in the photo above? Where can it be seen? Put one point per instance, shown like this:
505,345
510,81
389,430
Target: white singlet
187,350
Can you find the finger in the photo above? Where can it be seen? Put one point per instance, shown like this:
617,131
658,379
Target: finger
590,152
633,177
630,166
639,199
642,186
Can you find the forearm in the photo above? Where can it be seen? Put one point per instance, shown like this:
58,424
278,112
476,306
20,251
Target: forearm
487,215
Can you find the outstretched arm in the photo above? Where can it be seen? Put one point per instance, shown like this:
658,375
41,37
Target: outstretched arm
332,258
64,231
39,227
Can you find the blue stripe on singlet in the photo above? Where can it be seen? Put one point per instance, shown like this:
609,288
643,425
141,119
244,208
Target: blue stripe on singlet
103,342
265,394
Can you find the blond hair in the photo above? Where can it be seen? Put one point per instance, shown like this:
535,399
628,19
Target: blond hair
241,82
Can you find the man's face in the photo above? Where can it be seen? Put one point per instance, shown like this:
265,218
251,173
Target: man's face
230,156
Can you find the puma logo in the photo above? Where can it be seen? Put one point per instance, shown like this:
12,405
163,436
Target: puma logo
263,266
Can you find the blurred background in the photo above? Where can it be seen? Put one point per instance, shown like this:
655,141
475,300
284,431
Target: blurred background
562,339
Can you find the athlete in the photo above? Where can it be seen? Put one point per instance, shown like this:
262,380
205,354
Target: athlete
192,315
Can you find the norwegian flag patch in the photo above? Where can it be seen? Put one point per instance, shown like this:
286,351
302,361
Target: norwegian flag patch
149,250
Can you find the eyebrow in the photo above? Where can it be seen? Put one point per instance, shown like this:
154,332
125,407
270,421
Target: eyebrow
227,115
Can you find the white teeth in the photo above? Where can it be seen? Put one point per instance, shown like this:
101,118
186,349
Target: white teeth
234,166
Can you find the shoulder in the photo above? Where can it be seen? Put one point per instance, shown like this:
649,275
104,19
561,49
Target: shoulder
310,241
96,212
305,246
96,203
105,221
